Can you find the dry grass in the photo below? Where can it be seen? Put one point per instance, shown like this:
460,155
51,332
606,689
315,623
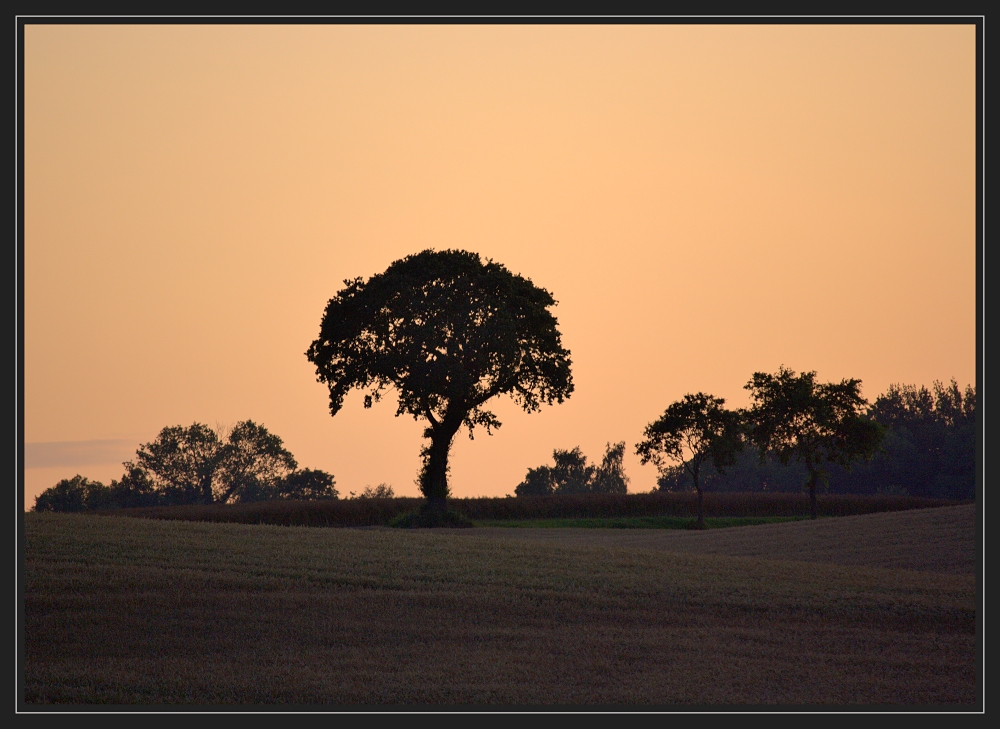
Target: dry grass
121,611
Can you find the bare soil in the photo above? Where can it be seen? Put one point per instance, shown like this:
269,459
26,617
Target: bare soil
940,539
136,611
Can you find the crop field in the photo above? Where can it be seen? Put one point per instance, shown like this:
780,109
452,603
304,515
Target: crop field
139,611
636,522
376,512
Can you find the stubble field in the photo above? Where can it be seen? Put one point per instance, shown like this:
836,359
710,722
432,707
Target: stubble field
126,611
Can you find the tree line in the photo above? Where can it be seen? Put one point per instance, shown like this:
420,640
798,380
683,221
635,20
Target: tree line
197,465
798,433
449,332
793,418
928,450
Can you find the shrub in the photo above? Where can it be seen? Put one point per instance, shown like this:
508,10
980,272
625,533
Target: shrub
431,518
307,483
74,494
382,491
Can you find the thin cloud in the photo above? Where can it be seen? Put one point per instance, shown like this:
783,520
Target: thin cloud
78,452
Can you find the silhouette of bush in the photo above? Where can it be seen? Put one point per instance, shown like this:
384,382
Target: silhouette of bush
429,518
306,483
74,494
382,491
571,474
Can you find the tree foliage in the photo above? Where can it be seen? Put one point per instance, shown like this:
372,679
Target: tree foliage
930,443
382,491
306,484
571,474
72,494
182,463
610,477
252,460
448,333
795,417
929,450
693,431
197,465
136,488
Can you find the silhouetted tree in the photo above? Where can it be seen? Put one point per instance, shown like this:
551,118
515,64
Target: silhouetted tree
182,463
928,450
538,482
449,333
571,474
99,496
382,491
194,465
609,477
691,432
930,443
814,423
74,494
306,484
135,489
252,460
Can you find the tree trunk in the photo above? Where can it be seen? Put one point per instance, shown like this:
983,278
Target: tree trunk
206,489
701,510
434,478
813,478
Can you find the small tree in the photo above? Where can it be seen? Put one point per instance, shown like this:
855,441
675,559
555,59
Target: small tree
75,494
70,494
571,473
448,333
609,477
99,496
815,423
307,484
691,432
538,482
136,488
382,491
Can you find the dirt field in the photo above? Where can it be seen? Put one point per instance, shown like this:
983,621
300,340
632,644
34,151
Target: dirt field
122,611
929,540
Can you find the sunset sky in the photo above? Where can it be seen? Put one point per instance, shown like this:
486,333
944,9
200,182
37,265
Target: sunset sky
703,202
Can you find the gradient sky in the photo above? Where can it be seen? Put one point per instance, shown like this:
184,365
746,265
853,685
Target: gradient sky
702,201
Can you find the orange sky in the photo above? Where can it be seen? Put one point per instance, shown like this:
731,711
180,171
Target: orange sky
702,201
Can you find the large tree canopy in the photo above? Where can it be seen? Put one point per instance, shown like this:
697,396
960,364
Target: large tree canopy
448,332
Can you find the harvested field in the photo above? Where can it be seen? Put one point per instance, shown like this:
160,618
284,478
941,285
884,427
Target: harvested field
121,611
942,539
